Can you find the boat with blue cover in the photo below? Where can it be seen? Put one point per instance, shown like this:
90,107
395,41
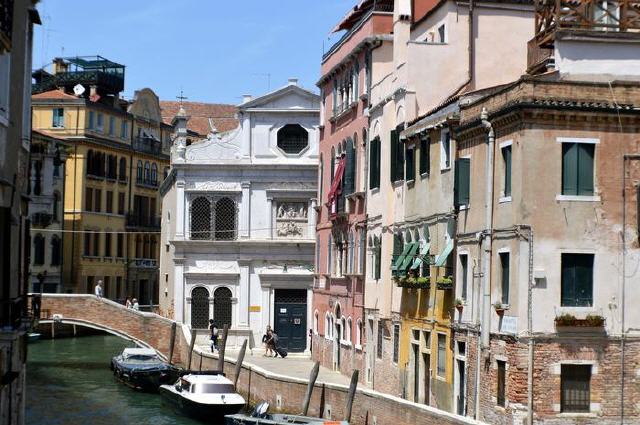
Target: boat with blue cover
143,369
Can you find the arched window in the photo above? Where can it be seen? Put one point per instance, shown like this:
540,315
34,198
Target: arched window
225,219
55,251
343,328
359,333
315,322
56,206
333,162
38,248
200,218
338,328
222,307
154,173
123,169
139,172
147,172
347,330
199,308
293,138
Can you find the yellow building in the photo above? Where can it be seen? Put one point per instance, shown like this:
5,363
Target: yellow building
118,155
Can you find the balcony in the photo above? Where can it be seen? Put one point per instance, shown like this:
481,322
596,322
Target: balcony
41,219
6,24
148,145
152,184
142,222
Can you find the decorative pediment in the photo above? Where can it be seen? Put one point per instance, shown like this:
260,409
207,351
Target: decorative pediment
289,97
216,148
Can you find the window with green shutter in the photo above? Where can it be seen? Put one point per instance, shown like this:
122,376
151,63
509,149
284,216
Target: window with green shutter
378,259
393,164
577,169
504,265
425,156
506,157
374,170
577,280
350,170
462,181
410,163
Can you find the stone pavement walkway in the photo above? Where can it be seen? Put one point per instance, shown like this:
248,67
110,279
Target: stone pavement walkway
295,366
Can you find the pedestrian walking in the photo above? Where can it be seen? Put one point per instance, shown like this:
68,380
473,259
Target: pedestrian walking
136,306
214,333
128,303
268,350
98,289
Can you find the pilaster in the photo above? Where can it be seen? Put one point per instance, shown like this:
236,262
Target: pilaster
245,212
178,289
180,210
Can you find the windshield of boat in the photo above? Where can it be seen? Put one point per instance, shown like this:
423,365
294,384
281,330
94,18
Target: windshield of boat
141,358
215,388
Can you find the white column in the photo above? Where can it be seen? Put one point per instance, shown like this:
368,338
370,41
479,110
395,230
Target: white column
178,290
180,213
266,306
311,219
309,317
245,212
245,148
270,219
243,296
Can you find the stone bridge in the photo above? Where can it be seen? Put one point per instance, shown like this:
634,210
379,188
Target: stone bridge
145,329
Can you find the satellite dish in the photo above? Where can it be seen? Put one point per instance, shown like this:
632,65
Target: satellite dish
79,89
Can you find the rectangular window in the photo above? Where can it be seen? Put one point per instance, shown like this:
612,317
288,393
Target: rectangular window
90,280
575,392
120,245
425,155
445,150
427,340
374,171
100,123
96,244
378,261
107,245
118,286
87,244
58,118
506,158
88,199
98,200
577,169
109,195
396,342
397,155
505,270
410,160
463,269
124,129
380,338
462,182
112,126
121,203
442,355
502,371
577,280
92,120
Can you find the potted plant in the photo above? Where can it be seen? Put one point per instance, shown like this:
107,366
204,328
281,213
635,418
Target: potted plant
592,322
500,308
459,305
445,282
423,282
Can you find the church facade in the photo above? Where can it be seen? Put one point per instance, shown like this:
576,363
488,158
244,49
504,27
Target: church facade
238,224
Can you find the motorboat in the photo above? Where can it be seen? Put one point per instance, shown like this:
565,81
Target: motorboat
143,369
33,337
204,395
260,416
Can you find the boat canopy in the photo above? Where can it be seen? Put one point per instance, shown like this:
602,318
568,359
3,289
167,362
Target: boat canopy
129,352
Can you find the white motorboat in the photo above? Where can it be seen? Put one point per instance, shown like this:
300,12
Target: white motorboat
204,395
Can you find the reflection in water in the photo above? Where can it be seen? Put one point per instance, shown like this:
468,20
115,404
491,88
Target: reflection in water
69,382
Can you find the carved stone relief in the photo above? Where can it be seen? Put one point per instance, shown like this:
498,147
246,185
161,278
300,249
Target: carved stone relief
291,220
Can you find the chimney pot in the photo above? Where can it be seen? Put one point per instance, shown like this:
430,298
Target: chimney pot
293,81
246,98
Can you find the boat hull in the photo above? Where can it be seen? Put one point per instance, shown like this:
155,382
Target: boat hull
146,379
202,411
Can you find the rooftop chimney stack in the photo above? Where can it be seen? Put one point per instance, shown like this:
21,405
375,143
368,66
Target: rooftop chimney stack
246,98
59,66
293,81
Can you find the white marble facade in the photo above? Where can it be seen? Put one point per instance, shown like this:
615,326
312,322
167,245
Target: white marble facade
239,217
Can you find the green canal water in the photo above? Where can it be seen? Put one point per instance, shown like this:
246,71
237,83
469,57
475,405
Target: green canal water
69,382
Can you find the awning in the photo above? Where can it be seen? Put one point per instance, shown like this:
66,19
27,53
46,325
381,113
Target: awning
337,180
442,257
398,262
424,253
408,259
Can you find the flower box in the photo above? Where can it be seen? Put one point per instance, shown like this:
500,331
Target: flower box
445,283
593,323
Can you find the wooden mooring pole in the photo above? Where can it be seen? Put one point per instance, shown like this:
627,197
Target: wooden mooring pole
193,341
239,363
172,341
312,382
351,394
221,348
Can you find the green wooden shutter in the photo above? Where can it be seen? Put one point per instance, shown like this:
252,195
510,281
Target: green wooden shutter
378,165
506,152
349,172
504,263
410,163
394,156
569,168
584,280
585,168
568,280
462,181
399,154
374,158
424,156
378,258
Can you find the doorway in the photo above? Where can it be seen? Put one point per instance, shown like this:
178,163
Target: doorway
427,378
291,319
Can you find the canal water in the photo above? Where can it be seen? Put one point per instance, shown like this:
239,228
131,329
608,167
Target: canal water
69,382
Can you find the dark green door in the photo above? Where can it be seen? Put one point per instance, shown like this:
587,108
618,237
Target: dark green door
291,319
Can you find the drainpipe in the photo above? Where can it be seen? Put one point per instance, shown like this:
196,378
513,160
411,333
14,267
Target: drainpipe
530,329
487,237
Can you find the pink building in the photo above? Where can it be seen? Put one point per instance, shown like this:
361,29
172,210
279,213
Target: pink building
338,299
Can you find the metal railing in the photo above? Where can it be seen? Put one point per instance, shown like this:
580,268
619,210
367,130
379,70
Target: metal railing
135,220
145,263
147,145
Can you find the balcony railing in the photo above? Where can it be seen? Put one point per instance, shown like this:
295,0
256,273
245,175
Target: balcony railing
585,15
145,222
145,263
147,182
6,24
41,219
147,145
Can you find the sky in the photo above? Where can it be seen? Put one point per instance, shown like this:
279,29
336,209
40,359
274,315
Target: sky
212,50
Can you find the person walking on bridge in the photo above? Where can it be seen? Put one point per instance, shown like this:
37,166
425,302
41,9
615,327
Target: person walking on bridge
98,289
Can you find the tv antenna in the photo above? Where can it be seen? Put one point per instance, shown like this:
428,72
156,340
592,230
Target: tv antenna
182,97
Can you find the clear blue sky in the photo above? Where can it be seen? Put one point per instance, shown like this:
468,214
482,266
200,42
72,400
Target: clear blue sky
215,50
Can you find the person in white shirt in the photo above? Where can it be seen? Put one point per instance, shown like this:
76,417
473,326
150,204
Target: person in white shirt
98,289
136,306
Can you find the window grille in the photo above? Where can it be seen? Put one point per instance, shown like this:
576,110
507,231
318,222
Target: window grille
200,308
213,219
292,138
290,296
222,307
380,339
200,219
225,220
396,342
576,388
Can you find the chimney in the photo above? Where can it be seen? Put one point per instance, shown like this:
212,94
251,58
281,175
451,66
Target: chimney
59,66
93,90
293,81
246,98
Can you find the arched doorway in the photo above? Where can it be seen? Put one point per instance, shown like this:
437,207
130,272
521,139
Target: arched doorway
200,308
222,307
